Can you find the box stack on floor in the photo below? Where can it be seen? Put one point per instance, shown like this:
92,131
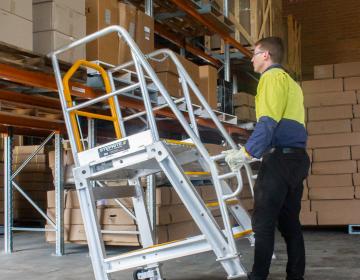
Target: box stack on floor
173,220
35,179
16,21
58,23
332,102
244,105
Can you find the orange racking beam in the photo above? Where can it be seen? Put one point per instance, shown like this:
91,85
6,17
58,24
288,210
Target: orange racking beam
183,5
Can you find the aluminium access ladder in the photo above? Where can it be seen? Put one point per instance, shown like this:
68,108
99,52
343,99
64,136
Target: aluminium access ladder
143,154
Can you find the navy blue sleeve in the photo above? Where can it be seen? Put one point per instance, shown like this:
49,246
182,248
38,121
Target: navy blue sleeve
260,139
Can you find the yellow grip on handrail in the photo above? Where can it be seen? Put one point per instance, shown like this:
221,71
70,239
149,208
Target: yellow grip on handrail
67,94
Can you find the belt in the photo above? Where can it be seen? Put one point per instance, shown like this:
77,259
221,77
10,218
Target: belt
288,150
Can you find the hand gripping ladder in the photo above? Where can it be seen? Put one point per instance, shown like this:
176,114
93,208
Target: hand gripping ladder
142,154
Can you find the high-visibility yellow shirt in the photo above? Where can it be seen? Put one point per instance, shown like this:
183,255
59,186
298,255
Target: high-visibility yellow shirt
280,113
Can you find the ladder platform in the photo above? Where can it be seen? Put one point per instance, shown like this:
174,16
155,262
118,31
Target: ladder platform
126,157
166,251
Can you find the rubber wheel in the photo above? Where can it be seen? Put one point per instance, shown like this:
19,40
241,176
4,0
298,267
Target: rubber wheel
136,272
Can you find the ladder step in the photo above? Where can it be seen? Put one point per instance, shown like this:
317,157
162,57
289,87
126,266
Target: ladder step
113,192
216,203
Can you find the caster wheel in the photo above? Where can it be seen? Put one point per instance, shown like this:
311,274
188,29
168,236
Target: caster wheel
135,274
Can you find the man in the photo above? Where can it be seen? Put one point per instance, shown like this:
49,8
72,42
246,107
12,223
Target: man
280,138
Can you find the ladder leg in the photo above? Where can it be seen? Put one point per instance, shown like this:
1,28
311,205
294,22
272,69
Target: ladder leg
146,232
197,209
91,223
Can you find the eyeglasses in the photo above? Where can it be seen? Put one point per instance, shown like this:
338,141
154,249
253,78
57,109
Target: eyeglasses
255,54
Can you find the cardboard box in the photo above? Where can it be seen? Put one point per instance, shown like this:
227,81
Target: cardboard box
208,84
330,99
355,125
325,127
320,86
352,83
116,216
21,8
183,230
333,140
243,98
349,69
16,31
50,16
355,152
356,179
323,71
336,212
168,66
334,167
67,158
357,192
305,205
71,216
305,195
321,181
245,113
308,218
330,154
145,32
358,96
78,5
356,110
172,214
330,113
128,20
27,150
20,158
101,14
48,41
171,83
332,193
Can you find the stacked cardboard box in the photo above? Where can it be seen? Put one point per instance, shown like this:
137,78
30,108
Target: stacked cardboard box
35,179
173,220
244,105
332,102
58,23
16,21
68,165
111,49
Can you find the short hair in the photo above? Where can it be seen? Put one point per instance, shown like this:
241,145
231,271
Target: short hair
275,47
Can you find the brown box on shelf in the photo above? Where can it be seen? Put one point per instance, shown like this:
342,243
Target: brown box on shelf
330,113
320,86
334,167
243,98
78,5
16,31
245,113
357,192
116,216
356,179
338,180
334,140
145,32
356,110
101,14
331,154
355,152
48,41
208,84
20,8
50,16
324,71
336,212
171,83
355,125
332,193
350,69
352,83
328,127
330,99
127,19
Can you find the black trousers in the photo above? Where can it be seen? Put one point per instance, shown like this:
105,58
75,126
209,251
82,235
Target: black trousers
277,194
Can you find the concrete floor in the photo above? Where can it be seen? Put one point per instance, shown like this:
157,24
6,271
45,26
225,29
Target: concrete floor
331,254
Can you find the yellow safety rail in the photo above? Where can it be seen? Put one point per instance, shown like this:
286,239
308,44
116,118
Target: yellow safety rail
73,114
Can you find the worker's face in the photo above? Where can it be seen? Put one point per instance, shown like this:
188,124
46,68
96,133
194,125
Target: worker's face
260,59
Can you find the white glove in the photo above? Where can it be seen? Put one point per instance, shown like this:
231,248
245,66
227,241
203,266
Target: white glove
236,158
